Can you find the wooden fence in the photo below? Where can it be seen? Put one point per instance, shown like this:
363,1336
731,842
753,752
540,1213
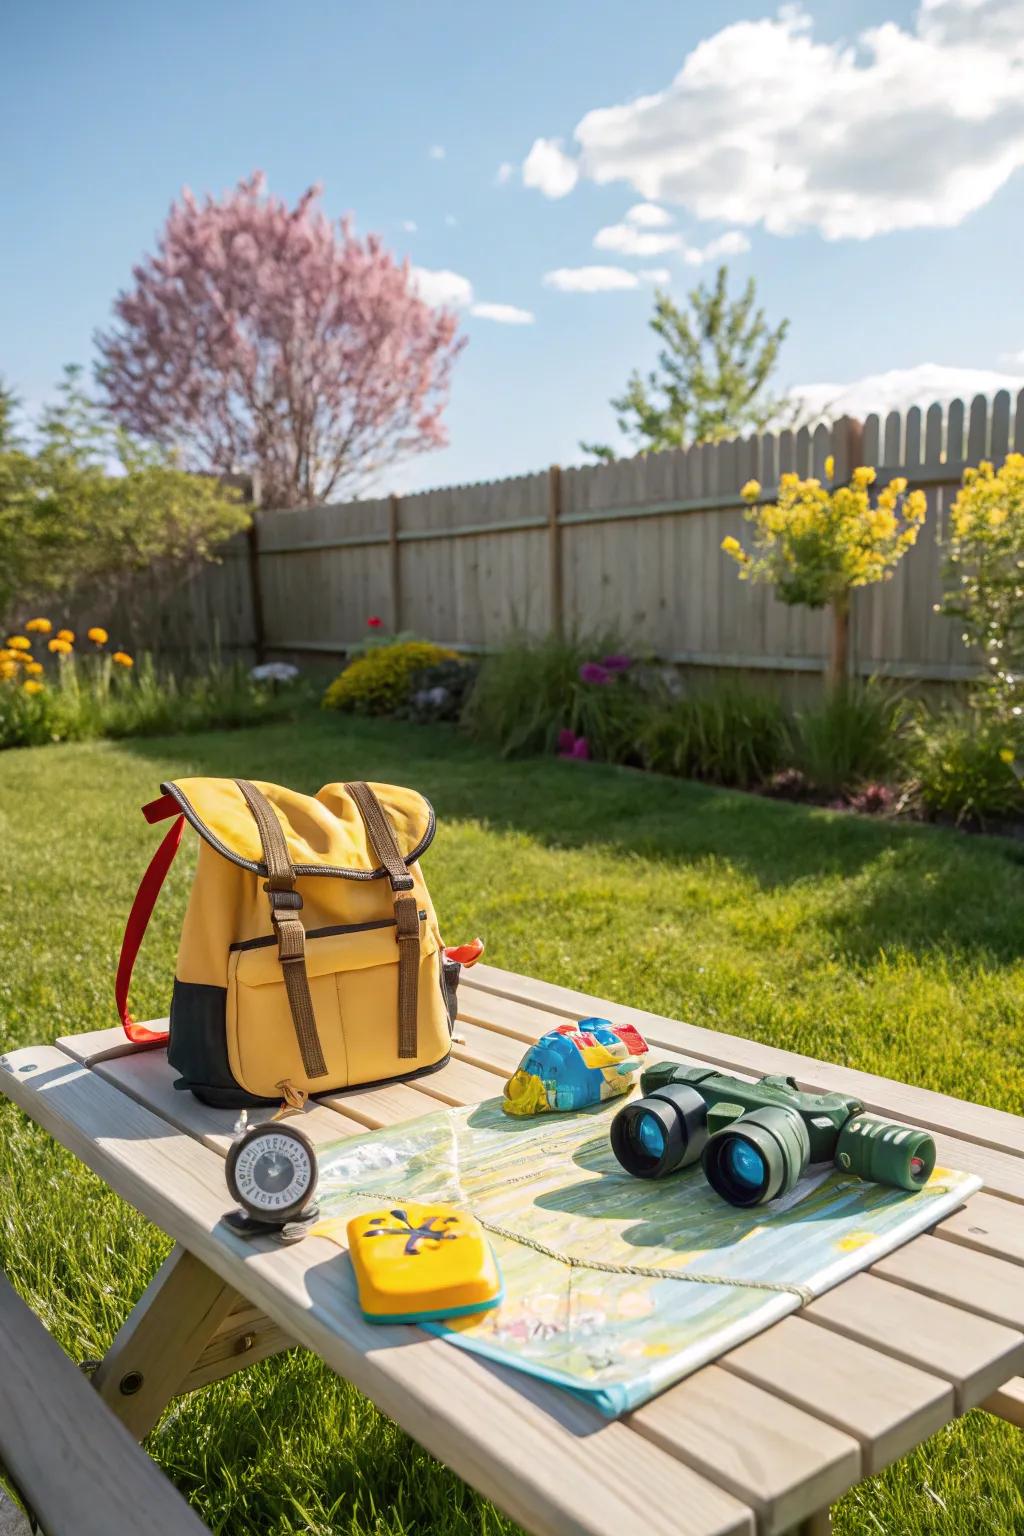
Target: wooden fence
632,546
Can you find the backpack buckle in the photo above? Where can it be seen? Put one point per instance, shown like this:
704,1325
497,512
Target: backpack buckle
283,901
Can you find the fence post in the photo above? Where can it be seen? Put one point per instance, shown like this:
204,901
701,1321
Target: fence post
555,546
394,563
259,638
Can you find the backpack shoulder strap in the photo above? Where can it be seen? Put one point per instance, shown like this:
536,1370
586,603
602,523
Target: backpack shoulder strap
407,923
285,906
140,914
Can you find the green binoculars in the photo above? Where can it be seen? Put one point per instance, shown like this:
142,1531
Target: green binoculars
755,1140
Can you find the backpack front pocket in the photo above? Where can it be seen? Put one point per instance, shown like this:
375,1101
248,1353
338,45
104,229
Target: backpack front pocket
263,1050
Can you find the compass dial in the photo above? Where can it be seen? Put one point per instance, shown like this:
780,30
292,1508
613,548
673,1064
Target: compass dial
272,1172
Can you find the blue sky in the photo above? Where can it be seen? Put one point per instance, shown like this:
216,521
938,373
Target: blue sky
792,133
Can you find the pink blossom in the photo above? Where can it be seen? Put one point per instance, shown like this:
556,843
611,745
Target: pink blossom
617,663
572,746
594,672
265,339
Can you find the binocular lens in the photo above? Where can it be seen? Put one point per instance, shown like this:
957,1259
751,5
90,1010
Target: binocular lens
660,1133
648,1136
744,1163
759,1158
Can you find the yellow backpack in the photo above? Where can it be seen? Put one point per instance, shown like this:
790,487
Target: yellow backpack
310,957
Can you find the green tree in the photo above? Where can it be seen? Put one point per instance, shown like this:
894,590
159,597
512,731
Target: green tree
715,360
89,509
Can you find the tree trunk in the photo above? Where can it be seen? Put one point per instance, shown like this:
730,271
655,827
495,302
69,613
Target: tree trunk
839,656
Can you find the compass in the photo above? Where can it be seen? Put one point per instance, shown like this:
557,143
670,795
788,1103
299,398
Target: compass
272,1173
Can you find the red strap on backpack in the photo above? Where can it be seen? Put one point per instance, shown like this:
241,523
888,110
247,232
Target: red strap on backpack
140,914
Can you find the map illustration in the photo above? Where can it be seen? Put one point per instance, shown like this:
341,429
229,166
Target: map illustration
616,1287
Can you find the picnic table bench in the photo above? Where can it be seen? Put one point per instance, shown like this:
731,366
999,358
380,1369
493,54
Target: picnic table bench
759,1443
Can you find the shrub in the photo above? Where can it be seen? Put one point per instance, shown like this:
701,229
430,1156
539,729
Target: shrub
439,692
816,542
963,766
532,691
985,565
726,735
378,681
856,733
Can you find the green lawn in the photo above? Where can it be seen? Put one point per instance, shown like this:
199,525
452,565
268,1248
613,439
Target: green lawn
894,948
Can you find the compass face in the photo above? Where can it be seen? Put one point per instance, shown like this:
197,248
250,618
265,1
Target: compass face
272,1173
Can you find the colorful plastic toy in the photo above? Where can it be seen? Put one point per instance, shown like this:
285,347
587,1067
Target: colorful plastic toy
575,1066
420,1263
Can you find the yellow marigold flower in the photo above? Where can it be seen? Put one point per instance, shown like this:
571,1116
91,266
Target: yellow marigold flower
66,634
830,467
60,647
863,475
751,490
7,670
33,668
32,687
19,643
123,659
40,626
1006,755
731,545
97,635
898,485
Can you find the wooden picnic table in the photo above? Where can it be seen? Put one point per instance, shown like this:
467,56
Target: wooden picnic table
761,1442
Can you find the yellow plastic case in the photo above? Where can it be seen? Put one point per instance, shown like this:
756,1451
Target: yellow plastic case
418,1263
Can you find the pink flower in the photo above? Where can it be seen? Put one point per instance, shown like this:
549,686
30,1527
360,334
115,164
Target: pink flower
617,663
593,672
374,622
572,746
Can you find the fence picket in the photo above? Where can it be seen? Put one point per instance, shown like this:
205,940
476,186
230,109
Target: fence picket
640,549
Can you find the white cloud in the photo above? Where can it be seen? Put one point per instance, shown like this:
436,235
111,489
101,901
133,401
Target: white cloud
450,290
506,170
410,226
905,127
590,279
450,220
659,275
626,240
436,151
504,314
548,168
442,288
1015,359
900,388
648,216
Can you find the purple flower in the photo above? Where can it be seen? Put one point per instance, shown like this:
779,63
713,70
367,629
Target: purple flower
593,672
617,663
573,746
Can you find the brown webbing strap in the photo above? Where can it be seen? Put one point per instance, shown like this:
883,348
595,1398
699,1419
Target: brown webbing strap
285,906
407,922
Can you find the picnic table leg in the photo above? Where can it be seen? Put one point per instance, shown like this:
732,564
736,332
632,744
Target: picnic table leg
165,1334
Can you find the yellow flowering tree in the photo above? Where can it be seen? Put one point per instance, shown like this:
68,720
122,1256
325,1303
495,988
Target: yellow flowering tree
816,542
985,565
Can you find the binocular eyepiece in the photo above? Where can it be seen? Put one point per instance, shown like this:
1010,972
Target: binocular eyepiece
756,1140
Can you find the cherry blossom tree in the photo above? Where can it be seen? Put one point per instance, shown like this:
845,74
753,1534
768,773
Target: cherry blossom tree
264,339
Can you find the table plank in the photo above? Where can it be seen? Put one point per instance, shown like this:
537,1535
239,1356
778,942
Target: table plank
489,1424
918,1106
80,1469
988,1224
1008,1402
971,1352
973,1280
783,1462
887,1405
